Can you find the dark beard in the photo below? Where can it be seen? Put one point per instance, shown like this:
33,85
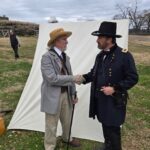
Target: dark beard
99,46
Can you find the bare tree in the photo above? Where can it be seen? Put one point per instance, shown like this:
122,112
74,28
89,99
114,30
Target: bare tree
132,13
123,12
147,20
136,17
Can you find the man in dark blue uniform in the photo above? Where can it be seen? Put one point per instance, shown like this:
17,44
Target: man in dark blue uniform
113,73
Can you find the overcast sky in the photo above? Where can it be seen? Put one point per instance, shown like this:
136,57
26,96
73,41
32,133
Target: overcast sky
40,10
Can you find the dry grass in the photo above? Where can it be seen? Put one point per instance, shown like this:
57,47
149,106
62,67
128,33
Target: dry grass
13,88
140,47
142,58
144,40
26,51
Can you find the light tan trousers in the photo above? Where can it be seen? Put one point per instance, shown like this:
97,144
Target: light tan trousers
64,114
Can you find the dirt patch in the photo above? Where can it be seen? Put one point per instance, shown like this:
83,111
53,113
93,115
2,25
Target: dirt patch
5,49
29,60
142,58
140,39
13,60
137,139
13,88
12,73
3,105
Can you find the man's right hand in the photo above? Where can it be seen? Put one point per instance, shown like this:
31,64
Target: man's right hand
78,79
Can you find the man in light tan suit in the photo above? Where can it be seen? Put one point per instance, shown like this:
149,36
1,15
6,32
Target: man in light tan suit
58,90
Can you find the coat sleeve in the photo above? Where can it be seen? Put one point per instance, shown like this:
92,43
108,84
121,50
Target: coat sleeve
73,87
49,74
88,77
130,73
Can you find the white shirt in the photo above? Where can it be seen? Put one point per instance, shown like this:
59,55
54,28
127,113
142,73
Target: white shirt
59,52
105,55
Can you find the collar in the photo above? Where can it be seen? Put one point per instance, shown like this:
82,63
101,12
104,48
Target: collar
59,52
109,51
113,47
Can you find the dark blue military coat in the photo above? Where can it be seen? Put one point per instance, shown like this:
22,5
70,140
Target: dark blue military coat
114,68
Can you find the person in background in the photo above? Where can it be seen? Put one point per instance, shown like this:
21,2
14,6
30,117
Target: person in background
14,43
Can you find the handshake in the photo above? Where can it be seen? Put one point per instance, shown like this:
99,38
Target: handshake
78,79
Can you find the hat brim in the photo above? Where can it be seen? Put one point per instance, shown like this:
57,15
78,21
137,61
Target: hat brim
64,33
97,33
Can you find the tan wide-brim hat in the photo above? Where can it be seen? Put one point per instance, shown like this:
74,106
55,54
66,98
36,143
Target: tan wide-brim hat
57,33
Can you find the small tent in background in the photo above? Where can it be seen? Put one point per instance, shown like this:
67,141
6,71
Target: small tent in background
82,49
52,20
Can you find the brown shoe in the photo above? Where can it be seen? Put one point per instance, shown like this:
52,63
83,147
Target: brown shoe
74,143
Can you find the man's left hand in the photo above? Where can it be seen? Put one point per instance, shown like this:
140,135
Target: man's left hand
107,90
74,101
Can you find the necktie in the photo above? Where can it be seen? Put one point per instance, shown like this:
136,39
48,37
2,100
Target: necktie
64,56
63,70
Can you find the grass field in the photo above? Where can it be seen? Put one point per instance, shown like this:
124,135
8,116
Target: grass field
13,75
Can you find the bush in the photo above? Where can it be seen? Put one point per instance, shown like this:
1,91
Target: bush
21,28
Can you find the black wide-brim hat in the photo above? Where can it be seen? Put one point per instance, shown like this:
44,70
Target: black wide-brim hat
107,29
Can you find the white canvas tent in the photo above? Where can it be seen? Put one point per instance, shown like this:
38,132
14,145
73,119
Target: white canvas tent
82,49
